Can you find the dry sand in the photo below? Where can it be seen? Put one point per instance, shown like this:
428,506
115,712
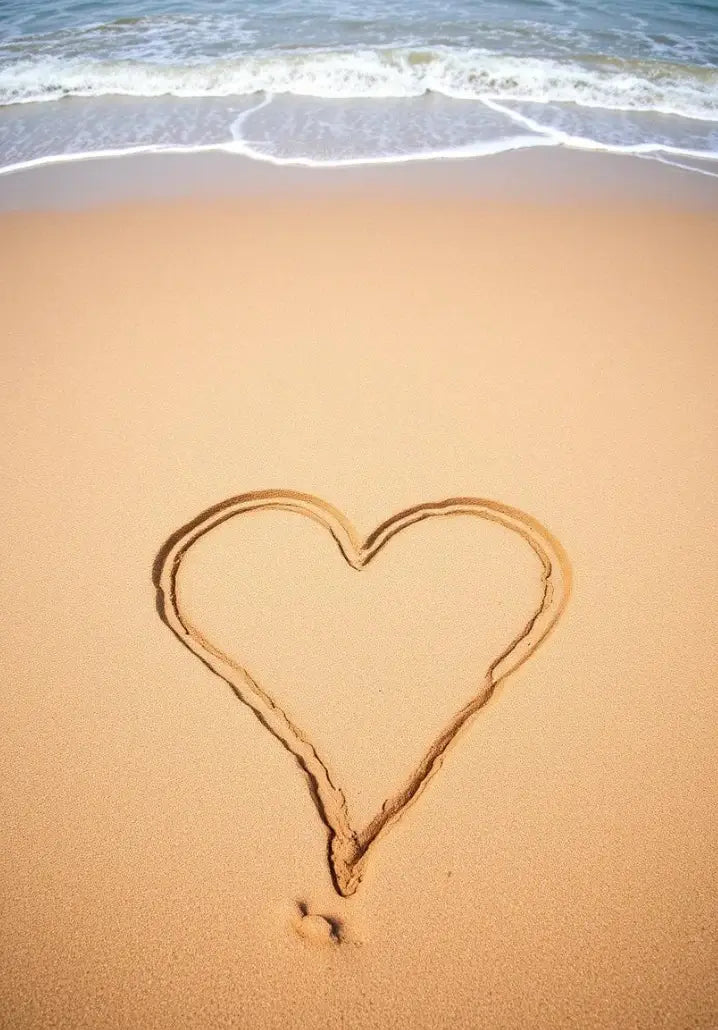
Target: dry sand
166,862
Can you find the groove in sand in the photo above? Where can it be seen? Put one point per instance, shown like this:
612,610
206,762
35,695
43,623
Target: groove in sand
349,848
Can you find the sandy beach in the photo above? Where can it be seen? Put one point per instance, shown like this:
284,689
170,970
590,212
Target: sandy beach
390,454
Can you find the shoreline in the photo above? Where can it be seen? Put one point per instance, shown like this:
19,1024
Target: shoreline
536,174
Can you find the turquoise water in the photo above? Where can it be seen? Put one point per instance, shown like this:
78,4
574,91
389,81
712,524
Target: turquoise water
333,82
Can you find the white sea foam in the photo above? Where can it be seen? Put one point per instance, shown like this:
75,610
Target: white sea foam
455,72
242,148
330,83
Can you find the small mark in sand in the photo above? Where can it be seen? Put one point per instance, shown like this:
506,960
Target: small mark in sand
318,929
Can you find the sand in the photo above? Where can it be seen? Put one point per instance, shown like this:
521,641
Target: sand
429,486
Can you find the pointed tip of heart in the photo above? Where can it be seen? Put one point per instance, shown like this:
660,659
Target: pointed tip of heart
359,558
347,864
347,882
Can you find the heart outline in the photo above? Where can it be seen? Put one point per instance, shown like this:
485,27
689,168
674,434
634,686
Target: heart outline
348,849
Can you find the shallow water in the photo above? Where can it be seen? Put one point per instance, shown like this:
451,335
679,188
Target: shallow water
337,81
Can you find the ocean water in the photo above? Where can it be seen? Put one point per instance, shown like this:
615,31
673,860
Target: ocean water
332,82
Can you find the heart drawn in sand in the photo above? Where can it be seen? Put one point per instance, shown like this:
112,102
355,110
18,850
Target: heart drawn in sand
349,847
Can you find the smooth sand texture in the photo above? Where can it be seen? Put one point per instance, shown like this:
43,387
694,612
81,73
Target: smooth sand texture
165,864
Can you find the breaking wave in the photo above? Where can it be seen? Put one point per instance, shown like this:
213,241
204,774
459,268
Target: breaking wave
687,91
